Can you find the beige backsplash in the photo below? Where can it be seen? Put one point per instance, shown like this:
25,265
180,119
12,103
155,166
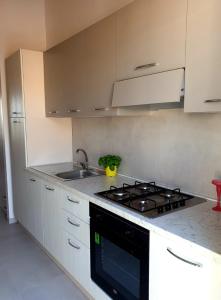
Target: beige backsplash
168,146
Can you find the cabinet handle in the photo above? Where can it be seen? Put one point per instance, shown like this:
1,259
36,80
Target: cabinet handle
49,189
146,66
73,223
72,245
73,201
195,264
53,112
212,101
32,180
16,122
73,111
16,113
102,108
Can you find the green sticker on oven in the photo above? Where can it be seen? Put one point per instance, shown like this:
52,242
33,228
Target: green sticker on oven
97,238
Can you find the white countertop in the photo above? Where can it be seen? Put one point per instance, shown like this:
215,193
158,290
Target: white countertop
198,224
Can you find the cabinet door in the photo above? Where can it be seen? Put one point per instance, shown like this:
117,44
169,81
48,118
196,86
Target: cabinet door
14,85
178,271
77,228
76,206
34,199
203,63
18,163
76,259
66,77
151,37
101,55
51,220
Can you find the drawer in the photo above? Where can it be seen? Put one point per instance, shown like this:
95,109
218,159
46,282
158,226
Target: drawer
79,229
76,206
76,259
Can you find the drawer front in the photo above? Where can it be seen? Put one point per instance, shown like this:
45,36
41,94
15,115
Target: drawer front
77,228
76,206
76,259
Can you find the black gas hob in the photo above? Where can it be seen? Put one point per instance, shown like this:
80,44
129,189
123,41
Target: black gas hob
149,199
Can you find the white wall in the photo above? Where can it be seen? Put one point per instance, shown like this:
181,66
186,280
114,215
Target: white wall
67,17
173,148
22,26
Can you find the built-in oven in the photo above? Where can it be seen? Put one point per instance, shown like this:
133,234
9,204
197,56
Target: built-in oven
119,255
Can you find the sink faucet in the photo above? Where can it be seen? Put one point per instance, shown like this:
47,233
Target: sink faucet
83,164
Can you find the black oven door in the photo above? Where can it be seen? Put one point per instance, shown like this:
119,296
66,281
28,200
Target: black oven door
118,265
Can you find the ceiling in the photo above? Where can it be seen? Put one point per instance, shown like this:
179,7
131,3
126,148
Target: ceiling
67,17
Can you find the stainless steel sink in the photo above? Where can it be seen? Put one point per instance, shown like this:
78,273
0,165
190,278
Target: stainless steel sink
78,174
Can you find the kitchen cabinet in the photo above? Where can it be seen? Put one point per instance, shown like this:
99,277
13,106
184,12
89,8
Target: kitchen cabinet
203,63
34,139
151,37
79,229
34,206
75,205
76,259
18,162
101,67
52,219
65,68
180,271
25,85
80,72
14,85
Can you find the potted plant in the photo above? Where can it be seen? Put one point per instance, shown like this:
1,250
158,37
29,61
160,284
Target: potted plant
110,164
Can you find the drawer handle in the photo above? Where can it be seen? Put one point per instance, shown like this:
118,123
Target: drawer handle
212,101
195,264
73,201
16,122
73,223
73,110
16,113
146,66
102,108
53,112
32,179
72,245
49,189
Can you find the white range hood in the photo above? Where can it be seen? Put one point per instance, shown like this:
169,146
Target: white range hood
165,87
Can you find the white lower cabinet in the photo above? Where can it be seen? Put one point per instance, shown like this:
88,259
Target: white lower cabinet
76,259
60,222
51,219
77,228
76,206
180,271
34,207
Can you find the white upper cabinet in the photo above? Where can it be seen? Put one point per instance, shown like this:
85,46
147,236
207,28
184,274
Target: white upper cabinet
80,72
162,87
101,68
151,36
65,77
14,85
203,60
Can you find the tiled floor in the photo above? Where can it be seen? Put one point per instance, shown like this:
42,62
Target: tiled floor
27,273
